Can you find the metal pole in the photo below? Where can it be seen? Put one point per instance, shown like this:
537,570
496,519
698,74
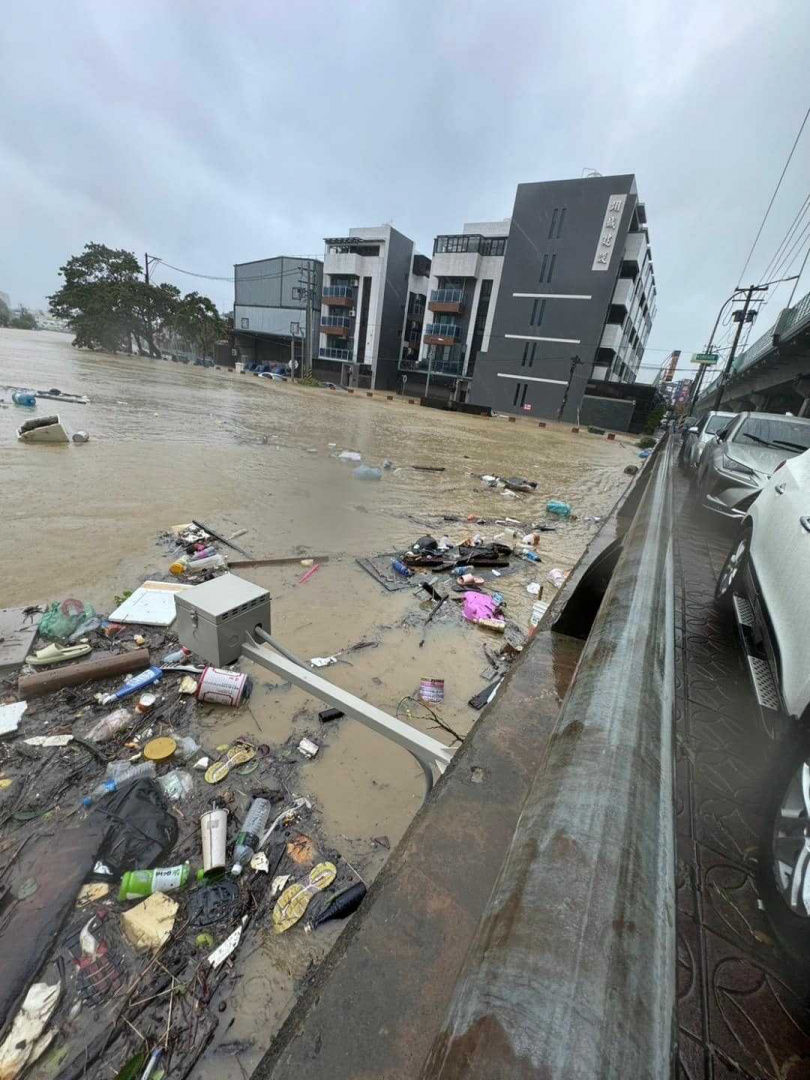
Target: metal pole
749,292
572,973
575,362
430,366
708,349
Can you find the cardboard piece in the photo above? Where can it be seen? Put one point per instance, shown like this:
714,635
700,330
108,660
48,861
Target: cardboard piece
148,924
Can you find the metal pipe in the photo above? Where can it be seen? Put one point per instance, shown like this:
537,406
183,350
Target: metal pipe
429,752
572,971
262,633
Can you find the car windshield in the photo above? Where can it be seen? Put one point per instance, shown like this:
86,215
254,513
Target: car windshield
791,436
717,423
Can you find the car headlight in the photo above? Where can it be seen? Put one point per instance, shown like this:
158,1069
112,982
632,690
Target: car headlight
730,464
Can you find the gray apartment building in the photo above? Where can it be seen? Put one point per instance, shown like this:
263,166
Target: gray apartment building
270,311
372,306
577,282
512,303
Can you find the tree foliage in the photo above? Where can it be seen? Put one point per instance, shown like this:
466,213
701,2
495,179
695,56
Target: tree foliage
108,306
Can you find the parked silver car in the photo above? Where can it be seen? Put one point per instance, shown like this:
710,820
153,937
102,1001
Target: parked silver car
698,435
737,461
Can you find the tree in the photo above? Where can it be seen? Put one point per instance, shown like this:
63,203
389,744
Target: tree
24,320
96,297
108,305
5,314
197,321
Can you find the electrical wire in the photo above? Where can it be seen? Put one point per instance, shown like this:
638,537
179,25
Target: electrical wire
800,213
775,193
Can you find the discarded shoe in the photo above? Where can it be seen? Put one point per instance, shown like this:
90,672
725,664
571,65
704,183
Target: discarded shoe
57,654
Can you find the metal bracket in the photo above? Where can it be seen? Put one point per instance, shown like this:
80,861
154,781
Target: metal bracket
433,756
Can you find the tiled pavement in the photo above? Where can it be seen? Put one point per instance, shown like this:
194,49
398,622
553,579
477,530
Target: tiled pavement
743,1005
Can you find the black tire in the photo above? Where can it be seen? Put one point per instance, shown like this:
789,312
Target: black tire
791,929
732,567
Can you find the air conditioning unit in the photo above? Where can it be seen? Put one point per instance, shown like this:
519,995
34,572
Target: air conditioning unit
352,313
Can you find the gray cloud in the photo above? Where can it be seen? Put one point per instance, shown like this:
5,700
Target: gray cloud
212,133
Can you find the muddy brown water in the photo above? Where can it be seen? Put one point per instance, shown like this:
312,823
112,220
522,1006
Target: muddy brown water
169,442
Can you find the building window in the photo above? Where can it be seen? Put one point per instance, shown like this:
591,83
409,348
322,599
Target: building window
547,268
517,393
538,310
532,352
245,324
525,357
523,395
557,219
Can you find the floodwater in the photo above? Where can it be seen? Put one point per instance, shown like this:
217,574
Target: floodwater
170,443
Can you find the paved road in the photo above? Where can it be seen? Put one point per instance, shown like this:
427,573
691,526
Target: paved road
742,1007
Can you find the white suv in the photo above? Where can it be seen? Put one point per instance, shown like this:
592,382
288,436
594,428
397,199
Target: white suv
766,581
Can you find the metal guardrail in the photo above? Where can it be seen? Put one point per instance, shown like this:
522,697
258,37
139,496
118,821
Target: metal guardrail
447,296
335,354
572,971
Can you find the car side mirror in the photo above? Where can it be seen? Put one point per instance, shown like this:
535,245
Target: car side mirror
691,431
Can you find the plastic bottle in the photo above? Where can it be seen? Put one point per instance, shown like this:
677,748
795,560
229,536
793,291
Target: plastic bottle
460,571
118,773
136,683
179,566
109,725
530,556
176,784
138,883
213,562
24,397
247,840
557,506
401,568
176,657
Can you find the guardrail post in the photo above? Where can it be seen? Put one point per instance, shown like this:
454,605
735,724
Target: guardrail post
572,972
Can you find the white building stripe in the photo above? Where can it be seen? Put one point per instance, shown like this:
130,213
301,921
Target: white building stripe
530,337
553,295
532,378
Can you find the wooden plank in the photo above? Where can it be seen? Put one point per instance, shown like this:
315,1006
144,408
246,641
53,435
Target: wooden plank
45,682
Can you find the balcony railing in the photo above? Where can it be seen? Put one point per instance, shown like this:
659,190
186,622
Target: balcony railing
336,320
462,243
446,296
444,330
338,291
344,355
436,367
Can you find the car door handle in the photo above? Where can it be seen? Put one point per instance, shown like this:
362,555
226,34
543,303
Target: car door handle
805,523
780,489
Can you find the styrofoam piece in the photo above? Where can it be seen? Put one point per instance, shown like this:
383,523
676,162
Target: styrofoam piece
152,604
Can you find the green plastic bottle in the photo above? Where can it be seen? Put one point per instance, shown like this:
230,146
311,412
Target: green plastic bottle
136,884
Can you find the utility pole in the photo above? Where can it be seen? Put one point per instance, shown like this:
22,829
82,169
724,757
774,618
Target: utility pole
146,267
575,362
743,318
430,368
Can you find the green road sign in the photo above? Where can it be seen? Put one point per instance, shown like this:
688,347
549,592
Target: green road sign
708,359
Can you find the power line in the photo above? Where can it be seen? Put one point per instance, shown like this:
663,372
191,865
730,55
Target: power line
775,192
787,237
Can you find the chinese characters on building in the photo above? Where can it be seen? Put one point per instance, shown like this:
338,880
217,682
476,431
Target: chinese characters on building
609,232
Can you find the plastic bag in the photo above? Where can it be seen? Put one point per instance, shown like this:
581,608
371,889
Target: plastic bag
61,620
176,784
558,507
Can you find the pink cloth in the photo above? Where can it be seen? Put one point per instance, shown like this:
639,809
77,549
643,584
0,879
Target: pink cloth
478,606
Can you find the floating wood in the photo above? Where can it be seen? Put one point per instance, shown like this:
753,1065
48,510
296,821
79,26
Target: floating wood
45,682
285,560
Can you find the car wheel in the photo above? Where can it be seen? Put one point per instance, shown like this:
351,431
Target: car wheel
732,567
784,860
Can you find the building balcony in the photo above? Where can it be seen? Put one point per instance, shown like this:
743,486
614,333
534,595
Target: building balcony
623,293
343,355
336,325
447,301
442,334
612,337
452,367
338,295
635,246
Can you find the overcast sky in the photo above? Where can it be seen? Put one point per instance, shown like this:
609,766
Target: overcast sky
214,133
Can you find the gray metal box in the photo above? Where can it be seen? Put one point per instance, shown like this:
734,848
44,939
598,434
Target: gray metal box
213,618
